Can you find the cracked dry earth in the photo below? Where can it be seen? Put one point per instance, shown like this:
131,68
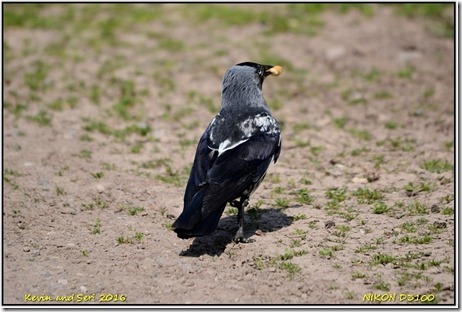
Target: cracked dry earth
99,136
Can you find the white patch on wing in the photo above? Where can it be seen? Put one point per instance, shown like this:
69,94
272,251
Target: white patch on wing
227,145
266,124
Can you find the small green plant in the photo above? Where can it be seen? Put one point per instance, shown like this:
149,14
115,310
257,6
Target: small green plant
313,225
85,154
391,125
96,228
139,236
304,197
416,208
42,118
381,258
59,191
409,227
97,175
337,194
282,203
357,274
437,166
300,216
133,210
381,286
424,239
123,240
365,248
367,196
340,122
380,208
448,211
406,72
326,252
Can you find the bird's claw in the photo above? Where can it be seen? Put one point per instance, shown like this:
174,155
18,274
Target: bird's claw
243,240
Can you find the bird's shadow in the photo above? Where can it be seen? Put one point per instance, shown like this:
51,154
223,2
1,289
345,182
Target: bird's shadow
265,220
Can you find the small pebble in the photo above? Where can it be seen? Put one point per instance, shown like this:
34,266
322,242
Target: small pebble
435,209
62,282
83,289
329,224
26,249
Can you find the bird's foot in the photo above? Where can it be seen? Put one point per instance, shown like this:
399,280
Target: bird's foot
239,237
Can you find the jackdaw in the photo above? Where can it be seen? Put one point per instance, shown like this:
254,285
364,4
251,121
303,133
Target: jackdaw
233,154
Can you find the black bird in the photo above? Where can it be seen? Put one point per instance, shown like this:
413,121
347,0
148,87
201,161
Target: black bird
233,154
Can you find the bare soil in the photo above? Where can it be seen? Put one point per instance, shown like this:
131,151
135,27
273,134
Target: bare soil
99,136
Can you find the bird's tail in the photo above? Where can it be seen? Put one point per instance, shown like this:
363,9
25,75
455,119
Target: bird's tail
192,223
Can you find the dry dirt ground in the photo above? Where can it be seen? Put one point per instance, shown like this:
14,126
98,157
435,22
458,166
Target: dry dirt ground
103,107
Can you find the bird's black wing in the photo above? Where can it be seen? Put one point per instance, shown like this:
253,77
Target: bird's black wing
220,175
202,163
238,169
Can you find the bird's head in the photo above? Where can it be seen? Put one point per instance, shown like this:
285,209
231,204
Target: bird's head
249,71
242,84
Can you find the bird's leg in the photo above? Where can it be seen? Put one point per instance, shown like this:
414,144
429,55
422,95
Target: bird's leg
239,237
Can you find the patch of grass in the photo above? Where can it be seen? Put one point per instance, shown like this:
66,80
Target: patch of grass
367,196
282,203
340,123
300,216
448,145
437,166
409,227
337,194
381,258
136,148
447,211
291,268
412,190
406,72
379,160
96,203
441,24
85,138
133,210
42,118
59,191
168,226
380,208
326,252
139,236
423,239
96,228
416,208
372,75
383,95
391,125
97,175
313,225
381,286
85,154
36,79
123,240
360,134
171,177
304,197
341,230
365,248
359,151
358,274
